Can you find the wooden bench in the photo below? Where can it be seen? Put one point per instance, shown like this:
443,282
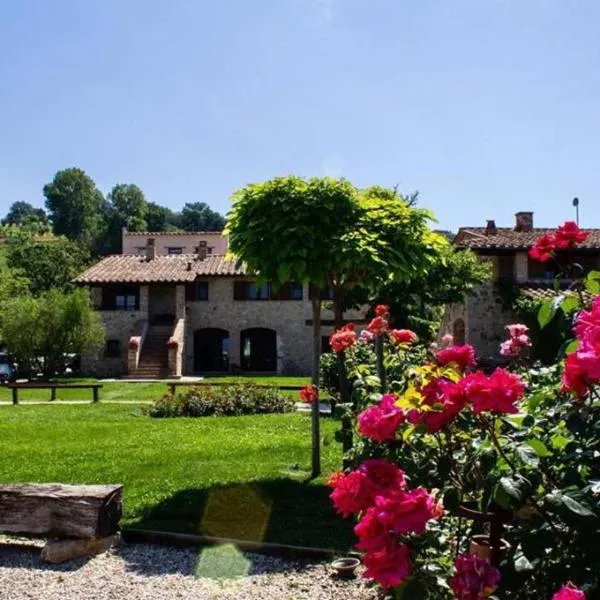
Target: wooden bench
173,385
80,519
15,387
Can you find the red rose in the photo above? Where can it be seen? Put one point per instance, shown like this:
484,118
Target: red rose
343,338
497,393
463,356
574,378
445,398
403,336
378,326
309,394
543,249
389,566
382,310
381,421
569,235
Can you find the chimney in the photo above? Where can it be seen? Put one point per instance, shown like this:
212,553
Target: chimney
524,221
490,228
202,250
150,249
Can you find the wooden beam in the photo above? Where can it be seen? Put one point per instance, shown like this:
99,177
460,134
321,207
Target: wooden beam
61,511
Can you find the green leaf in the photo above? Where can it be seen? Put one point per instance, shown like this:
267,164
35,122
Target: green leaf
522,564
546,313
539,448
576,507
528,455
517,487
570,304
571,346
592,282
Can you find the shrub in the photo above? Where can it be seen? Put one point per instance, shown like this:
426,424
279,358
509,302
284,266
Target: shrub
233,399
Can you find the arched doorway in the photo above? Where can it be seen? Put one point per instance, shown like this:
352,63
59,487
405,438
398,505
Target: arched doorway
211,349
258,349
458,332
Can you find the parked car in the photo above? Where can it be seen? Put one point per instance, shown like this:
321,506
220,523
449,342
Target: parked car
8,369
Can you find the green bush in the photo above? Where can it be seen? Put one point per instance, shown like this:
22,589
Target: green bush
233,399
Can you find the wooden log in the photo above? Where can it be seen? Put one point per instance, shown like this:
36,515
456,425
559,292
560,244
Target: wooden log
56,510
59,551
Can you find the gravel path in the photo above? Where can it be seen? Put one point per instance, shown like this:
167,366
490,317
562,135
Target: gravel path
146,572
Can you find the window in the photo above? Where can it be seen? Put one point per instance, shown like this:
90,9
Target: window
120,297
506,266
258,292
173,251
112,349
125,302
202,290
296,291
209,250
326,294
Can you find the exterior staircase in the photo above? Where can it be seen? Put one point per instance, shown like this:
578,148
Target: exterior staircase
154,357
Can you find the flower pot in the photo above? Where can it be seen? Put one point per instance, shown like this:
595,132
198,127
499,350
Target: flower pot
481,546
345,567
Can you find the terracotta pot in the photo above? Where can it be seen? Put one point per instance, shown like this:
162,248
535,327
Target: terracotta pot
481,547
345,567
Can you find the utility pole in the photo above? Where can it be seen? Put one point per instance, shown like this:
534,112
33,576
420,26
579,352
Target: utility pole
576,205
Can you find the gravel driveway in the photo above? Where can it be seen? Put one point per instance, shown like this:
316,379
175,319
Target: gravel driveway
146,572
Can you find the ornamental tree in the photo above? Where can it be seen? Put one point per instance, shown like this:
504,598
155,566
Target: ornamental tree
293,229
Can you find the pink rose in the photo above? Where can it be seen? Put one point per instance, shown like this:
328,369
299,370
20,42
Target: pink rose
389,566
569,592
381,421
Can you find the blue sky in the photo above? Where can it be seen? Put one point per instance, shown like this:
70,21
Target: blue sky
486,107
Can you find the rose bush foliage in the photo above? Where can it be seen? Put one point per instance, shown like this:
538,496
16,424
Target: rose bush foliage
519,442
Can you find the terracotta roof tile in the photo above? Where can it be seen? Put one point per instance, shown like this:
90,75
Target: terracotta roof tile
176,269
546,292
506,238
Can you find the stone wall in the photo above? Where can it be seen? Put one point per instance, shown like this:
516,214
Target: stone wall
118,325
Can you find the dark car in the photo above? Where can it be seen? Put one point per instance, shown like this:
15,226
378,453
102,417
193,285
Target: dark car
8,369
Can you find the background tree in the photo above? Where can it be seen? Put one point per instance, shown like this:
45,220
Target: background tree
48,263
23,211
160,218
125,206
50,327
418,303
75,205
198,216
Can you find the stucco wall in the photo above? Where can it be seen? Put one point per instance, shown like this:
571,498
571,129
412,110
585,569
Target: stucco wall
189,242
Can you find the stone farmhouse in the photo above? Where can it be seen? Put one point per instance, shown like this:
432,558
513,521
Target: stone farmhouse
173,304
481,320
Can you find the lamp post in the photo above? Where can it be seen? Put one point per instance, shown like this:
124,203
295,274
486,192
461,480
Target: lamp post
576,205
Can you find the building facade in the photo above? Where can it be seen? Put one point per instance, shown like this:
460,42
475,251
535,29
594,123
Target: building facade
482,318
170,314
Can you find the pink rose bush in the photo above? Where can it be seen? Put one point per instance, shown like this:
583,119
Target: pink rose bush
463,356
569,592
474,578
517,342
380,421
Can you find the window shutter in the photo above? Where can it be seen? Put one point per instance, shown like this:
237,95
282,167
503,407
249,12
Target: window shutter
240,290
108,298
190,292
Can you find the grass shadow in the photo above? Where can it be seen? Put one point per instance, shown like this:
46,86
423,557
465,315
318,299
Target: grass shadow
281,511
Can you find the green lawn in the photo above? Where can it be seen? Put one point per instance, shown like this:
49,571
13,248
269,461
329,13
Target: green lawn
238,477
137,392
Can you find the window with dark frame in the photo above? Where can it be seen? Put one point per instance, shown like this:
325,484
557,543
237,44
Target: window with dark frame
112,349
126,302
296,292
202,291
175,250
258,292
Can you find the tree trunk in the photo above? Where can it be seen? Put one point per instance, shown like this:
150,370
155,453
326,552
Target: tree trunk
60,511
316,435
338,313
